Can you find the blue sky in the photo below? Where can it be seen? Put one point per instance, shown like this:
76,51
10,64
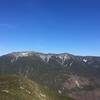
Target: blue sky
57,26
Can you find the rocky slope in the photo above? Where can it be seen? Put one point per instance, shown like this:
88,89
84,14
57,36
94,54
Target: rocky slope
19,88
77,76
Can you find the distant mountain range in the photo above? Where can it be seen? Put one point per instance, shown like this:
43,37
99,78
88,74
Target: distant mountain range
67,74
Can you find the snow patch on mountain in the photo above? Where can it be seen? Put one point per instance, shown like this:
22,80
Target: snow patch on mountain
21,54
85,60
44,57
63,57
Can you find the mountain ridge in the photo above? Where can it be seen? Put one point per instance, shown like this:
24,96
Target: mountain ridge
65,73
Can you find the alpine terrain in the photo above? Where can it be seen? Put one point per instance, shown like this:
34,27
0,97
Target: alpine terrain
40,76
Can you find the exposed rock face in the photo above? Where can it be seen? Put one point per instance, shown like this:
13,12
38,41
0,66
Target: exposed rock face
66,73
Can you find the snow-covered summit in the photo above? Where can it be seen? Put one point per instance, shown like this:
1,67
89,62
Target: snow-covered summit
21,54
44,56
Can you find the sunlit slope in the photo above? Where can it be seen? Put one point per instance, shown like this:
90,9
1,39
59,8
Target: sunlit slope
18,88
